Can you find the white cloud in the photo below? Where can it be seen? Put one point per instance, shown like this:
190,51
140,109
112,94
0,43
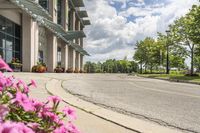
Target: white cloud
112,35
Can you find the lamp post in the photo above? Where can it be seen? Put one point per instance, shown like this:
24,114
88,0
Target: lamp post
167,45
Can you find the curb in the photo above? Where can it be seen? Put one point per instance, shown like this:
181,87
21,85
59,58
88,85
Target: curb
172,80
54,87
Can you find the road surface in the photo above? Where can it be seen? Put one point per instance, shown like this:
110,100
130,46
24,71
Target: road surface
171,104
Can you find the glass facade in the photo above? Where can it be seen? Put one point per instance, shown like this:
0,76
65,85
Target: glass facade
41,56
10,40
59,56
69,19
59,11
44,4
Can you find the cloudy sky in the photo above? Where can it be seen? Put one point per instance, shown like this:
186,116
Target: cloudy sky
118,24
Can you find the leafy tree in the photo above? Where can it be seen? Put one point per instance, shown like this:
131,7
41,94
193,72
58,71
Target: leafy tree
89,67
148,53
186,31
111,66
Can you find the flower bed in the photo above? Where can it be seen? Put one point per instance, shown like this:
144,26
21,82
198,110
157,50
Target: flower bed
20,113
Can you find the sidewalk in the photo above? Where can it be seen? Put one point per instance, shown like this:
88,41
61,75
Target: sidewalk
91,118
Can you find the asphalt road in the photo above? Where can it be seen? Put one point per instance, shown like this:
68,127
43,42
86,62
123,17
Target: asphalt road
171,104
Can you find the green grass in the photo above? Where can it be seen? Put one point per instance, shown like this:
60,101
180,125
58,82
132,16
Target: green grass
173,77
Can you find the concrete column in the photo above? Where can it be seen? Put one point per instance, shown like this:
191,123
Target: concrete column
51,52
53,9
66,14
64,54
52,39
74,59
36,49
71,58
72,52
81,62
29,41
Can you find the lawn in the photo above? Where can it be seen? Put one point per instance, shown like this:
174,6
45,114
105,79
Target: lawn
180,77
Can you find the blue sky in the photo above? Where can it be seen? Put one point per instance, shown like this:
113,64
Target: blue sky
118,24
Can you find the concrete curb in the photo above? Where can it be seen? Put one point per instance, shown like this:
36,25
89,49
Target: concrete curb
172,80
54,87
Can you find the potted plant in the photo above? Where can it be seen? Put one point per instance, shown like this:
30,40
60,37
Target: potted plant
81,71
59,69
70,70
76,70
16,65
39,68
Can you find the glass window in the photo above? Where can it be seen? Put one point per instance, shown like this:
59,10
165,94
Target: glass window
9,43
41,56
44,4
59,56
9,27
17,31
2,40
59,11
17,55
10,40
9,55
2,24
17,45
2,53
69,20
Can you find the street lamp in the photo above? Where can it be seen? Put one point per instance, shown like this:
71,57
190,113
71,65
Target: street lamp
167,45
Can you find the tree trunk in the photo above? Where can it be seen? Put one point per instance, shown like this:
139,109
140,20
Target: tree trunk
151,68
141,68
192,61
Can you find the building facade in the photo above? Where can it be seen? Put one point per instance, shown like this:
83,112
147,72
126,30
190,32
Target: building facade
46,31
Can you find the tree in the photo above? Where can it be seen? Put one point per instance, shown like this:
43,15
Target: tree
90,67
186,31
111,66
148,54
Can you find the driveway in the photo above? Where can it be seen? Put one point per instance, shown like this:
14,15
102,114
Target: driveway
171,104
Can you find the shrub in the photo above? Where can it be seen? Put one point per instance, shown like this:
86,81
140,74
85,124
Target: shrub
76,70
70,70
59,69
20,113
39,68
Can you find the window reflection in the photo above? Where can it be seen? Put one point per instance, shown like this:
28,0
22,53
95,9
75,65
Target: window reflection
10,41
59,56
44,4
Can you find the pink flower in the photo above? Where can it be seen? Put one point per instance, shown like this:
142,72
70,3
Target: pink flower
22,84
2,83
37,105
3,112
33,83
10,127
61,129
72,128
70,112
52,116
34,126
4,66
23,101
54,99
